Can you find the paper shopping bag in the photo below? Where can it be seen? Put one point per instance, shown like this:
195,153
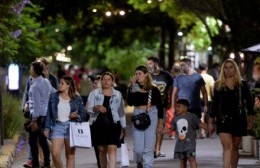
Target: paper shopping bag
80,135
124,155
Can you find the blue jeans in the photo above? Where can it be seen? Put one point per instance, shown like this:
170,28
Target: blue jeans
61,130
144,141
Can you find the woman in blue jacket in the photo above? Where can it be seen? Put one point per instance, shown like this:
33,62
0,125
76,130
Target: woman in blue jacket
64,106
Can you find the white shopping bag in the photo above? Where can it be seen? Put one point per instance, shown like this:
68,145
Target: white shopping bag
80,135
124,155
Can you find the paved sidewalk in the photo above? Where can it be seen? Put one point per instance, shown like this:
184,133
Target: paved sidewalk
209,154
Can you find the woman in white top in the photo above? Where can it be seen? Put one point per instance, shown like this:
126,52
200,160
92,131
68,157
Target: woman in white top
63,107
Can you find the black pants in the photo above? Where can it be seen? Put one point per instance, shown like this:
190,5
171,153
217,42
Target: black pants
93,138
34,138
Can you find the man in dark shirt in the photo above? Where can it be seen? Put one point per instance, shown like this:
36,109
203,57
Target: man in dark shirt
163,80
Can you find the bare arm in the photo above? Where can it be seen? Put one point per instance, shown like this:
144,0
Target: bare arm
203,125
205,98
169,93
174,98
211,127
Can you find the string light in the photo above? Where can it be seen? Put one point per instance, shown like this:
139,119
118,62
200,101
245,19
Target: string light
69,48
108,13
113,12
232,55
242,56
122,13
180,34
149,1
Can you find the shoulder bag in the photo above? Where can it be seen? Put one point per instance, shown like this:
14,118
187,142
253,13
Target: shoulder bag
142,121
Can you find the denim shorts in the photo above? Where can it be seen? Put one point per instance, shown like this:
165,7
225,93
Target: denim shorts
61,130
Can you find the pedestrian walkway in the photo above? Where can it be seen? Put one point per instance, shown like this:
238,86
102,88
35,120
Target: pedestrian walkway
209,155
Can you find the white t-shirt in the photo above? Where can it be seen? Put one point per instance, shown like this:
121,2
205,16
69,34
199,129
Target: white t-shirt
63,110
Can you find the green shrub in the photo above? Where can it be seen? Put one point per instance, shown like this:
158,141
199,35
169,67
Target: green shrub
12,115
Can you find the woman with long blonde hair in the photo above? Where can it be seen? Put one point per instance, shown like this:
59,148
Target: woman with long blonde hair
231,110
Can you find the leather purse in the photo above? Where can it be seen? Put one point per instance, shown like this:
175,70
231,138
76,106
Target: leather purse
142,121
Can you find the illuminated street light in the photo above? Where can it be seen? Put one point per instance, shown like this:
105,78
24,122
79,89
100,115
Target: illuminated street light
227,28
232,55
108,13
57,30
242,56
94,10
209,48
69,48
149,1
180,34
122,13
62,57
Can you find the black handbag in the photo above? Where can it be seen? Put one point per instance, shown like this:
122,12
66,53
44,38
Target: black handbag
142,121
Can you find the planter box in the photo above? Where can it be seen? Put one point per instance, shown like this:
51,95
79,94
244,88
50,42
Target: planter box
246,144
257,148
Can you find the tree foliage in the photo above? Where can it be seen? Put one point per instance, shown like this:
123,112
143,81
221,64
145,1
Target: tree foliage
19,31
124,60
242,18
95,37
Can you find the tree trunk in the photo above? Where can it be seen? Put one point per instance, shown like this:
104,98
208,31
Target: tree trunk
172,28
162,46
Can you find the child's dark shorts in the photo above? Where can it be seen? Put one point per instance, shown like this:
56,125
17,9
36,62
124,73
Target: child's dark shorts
184,155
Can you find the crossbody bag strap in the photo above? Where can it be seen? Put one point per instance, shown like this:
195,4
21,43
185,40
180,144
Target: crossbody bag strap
148,107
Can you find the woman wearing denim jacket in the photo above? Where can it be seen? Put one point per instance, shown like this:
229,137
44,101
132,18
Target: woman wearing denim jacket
63,107
107,119
144,140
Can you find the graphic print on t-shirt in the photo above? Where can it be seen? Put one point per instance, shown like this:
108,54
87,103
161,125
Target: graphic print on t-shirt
182,128
161,85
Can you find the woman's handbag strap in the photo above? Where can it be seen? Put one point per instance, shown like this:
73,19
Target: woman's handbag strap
148,107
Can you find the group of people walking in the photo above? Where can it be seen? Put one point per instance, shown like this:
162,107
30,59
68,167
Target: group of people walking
151,90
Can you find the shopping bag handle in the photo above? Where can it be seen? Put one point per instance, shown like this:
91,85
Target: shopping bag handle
78,120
